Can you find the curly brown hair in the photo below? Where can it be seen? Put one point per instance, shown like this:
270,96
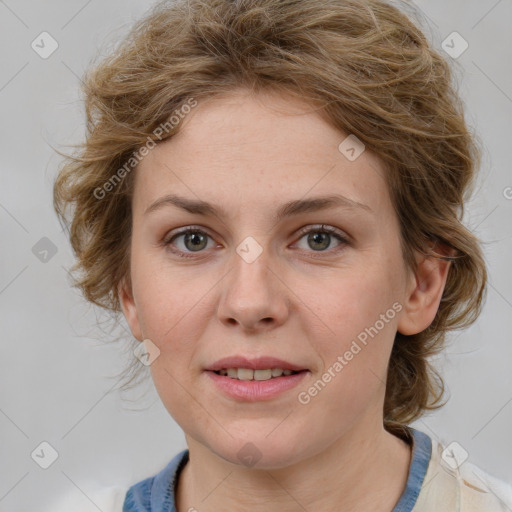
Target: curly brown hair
373,73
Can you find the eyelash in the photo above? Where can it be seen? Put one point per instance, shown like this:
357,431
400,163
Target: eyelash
318,229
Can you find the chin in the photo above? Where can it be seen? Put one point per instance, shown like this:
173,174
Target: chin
258,452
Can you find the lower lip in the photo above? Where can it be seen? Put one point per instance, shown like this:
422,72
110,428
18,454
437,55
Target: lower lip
255,390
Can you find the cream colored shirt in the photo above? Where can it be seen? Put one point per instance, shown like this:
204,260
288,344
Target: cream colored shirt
448,486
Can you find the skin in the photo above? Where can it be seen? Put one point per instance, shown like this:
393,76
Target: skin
297,301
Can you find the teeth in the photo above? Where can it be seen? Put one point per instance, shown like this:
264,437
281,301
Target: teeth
245,374
248,374
263,374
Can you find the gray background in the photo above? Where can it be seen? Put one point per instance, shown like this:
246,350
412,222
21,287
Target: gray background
55,370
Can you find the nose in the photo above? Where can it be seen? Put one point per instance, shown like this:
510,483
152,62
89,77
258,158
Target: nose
254,295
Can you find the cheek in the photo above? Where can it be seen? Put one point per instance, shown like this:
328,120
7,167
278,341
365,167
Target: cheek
355,358
352,327
168,298
177,394
171,309
349,302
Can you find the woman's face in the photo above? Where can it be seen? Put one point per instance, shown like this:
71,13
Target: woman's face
260,278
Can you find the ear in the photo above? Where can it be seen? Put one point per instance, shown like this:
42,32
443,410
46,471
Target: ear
423,295
129,308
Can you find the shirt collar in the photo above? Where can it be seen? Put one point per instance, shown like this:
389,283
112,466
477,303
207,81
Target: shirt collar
164,483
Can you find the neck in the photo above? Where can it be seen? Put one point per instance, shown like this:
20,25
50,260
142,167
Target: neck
365,467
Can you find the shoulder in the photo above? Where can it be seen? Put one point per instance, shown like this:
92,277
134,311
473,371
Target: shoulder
455,484
138,496
153,493
156,492
480,489
108,499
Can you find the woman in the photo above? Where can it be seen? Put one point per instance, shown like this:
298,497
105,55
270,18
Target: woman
271,193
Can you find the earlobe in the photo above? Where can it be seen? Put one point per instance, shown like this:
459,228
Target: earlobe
129,308
424,295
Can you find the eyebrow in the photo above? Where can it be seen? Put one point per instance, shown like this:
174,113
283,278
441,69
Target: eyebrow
289,209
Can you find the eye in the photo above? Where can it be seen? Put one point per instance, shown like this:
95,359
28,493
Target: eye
193,240
319,238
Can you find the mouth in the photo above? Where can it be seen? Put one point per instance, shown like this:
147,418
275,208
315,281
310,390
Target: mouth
253,380
256,379
254,390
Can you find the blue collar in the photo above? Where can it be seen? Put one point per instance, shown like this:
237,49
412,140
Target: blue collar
156,493
421,453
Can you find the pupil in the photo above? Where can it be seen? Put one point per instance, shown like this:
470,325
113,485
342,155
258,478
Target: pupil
196,239
323,237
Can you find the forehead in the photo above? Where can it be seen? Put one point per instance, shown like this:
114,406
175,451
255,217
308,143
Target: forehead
259,149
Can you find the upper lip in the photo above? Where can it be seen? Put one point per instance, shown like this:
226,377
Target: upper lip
258,363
